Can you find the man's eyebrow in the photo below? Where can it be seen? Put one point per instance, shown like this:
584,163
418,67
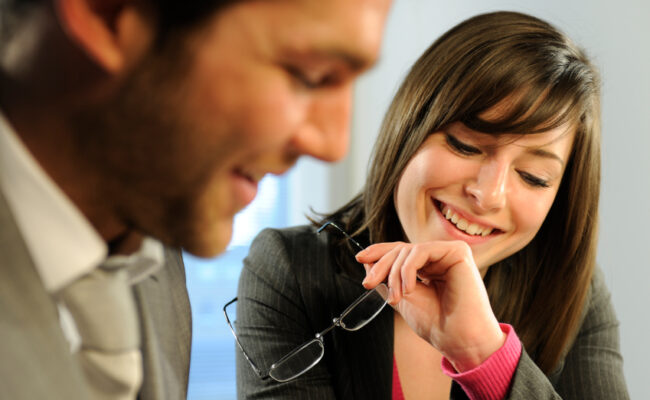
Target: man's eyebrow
357,61
545,154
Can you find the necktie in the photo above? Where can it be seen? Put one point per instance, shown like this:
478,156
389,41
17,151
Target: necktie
104,313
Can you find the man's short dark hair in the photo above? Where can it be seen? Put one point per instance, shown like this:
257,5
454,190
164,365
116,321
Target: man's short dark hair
11,12
173,15
177,15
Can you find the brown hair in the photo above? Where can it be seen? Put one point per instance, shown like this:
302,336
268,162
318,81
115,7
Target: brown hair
173,16
541,289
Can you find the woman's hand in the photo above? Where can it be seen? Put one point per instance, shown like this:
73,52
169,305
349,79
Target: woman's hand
448,307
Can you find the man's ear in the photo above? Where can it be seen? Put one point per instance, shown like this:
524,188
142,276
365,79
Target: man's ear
110,32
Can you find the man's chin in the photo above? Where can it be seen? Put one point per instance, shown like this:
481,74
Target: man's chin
209,245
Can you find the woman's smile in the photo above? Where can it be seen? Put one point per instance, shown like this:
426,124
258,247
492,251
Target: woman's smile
459,226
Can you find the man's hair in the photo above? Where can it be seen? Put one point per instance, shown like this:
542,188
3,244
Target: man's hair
172,15
11,12
179,15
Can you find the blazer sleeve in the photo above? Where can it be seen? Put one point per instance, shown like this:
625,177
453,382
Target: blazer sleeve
593,366
273,319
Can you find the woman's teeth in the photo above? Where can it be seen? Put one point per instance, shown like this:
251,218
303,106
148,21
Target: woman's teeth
463,224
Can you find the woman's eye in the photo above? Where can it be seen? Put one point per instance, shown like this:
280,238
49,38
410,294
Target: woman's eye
533,180
461,147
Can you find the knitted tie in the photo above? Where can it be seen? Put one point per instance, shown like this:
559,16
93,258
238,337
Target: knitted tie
104,313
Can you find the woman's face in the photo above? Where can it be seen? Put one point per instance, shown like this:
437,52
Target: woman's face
492,192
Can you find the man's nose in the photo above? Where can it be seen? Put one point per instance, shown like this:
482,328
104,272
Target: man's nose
324,134
488,189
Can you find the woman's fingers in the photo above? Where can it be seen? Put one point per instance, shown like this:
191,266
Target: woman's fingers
383,260
416,260
395,277
402,263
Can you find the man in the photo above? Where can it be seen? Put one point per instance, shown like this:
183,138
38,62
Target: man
127,119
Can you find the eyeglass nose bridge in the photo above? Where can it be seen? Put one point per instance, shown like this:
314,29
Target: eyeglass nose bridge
335,322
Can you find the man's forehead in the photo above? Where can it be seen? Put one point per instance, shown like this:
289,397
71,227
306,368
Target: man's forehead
350,31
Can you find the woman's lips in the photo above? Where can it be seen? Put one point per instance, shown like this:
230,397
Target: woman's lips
460,226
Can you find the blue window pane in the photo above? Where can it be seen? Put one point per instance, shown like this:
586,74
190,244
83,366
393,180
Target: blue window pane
213,282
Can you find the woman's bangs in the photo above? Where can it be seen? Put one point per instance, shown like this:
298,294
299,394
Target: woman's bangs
536,110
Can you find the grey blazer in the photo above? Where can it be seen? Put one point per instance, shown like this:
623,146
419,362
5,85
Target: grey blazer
290,289
35,359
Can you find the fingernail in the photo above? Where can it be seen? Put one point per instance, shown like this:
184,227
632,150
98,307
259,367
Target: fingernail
390,295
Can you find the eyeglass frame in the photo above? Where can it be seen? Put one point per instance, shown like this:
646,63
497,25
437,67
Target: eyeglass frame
336,322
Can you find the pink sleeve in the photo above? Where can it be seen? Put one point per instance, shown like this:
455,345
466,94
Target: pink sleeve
491,379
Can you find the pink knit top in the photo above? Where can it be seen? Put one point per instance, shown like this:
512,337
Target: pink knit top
488,381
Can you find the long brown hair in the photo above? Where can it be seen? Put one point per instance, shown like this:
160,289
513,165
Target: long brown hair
541,289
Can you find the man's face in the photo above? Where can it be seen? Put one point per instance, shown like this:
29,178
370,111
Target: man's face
183,144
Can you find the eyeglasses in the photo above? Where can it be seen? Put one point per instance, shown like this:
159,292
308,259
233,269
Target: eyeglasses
301,359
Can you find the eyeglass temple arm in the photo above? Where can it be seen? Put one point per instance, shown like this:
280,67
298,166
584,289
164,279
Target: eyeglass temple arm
326,224
258,372
348,236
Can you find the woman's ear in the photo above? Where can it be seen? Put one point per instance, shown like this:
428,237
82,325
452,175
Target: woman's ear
111,32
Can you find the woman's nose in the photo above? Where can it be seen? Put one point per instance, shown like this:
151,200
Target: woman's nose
488,189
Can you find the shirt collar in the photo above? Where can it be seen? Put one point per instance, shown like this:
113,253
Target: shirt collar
61,241
139,265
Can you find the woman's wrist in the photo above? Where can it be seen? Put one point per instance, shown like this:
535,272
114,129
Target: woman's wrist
474,352
492,379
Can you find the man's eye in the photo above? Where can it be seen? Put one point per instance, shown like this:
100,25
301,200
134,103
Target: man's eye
308,83
312,81
533,180
461,147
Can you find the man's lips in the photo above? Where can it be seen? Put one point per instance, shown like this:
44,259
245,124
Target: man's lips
246,181
252,176
244,186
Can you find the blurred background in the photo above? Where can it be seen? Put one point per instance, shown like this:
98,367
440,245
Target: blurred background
617,37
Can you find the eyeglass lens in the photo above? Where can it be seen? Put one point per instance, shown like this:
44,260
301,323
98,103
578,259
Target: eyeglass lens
365,309
298,361
355,317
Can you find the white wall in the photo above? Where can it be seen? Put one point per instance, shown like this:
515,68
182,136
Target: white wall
617,37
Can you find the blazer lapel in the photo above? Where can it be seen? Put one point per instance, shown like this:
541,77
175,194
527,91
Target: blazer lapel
165,321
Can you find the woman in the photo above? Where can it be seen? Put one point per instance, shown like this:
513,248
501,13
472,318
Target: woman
482,204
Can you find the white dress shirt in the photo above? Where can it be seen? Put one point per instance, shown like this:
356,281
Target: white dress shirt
63,244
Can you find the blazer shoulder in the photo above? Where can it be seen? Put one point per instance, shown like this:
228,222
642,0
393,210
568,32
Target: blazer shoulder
292,250
599,310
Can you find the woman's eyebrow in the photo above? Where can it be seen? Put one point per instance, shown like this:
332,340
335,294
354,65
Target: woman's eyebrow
545,154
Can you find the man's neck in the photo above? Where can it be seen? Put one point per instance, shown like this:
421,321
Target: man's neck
127,243
45,134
